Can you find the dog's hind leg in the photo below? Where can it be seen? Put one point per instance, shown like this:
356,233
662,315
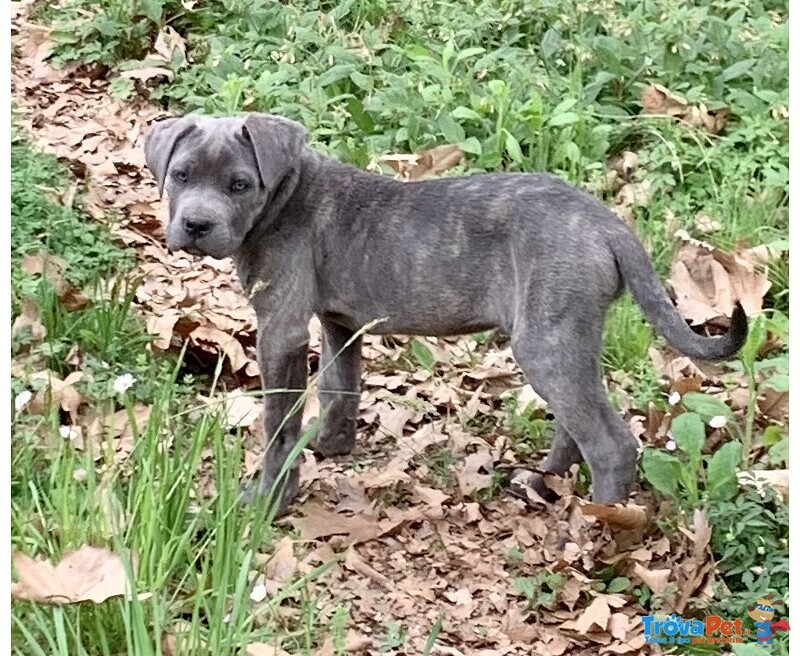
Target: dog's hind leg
561,358
339,387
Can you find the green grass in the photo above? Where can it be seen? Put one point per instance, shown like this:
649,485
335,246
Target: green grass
520,87
195,554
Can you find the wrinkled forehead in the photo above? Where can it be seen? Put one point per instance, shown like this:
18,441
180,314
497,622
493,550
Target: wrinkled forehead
216,144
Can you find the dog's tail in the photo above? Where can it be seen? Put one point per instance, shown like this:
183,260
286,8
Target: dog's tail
649,293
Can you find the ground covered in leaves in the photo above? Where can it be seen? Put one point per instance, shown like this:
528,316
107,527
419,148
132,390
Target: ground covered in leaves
411,544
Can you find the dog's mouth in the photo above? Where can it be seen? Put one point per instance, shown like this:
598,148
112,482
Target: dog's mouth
192,249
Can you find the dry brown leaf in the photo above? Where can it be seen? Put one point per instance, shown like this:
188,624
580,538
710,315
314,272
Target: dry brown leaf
355,563
61,393
631,646
148,73
29,320
318,522
657,99
242,409
391,474
118,428
393,420
777,479
618,626
51,268
629,516
88,574
327,648
44,264
431,496
264,649
707,282
597,614
655,579
220,340
283,563
162,326
701,536
355,642
774,405
167,42
426,163
475,473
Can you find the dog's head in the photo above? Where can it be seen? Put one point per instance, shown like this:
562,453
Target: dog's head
221,175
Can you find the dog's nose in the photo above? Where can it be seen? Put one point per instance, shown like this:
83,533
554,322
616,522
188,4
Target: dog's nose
197,227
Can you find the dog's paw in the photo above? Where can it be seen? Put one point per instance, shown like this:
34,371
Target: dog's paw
531,487
269,490
330,443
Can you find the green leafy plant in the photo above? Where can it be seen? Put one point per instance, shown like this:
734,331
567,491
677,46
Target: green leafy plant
687,475
541,589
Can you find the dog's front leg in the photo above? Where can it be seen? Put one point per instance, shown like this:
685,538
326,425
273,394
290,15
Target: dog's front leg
282,356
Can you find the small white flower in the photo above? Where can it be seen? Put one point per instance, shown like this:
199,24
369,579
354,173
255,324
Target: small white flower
227,618
717,422
675,398
259,593
68,432
22,399
648,61
123,383
760,551
671,445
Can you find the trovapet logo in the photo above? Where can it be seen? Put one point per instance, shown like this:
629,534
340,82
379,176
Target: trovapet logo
675,630
713,629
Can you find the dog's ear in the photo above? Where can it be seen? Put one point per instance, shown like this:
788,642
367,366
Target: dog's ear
277,143
160,143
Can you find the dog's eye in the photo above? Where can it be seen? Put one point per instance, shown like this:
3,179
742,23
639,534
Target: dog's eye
239,185
180,175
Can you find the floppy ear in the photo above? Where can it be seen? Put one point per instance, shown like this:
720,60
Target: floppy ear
277,143
160,142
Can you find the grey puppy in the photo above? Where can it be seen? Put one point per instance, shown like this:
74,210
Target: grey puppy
526,253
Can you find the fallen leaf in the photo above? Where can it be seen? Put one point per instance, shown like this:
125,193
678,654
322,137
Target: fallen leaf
51,268
228,344
318,522
327,648
657,99
241,409
167,42
355,563
29,320
426,163
655,579
283,562
264,649
117,428
431,496
475,473
597,614
777,479
148,73
707,281
88,574
162,326
629,516
60,393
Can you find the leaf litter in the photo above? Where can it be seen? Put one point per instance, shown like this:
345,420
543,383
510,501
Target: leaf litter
87,574
416,534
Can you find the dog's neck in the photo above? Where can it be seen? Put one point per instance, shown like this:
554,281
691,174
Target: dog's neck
315,190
